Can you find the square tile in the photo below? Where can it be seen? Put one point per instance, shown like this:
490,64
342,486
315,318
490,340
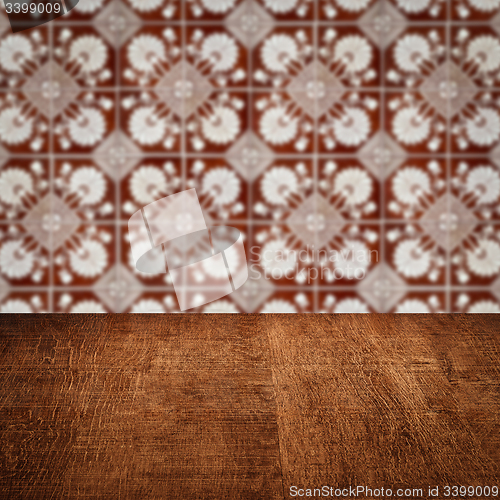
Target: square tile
35,301
86,254
81,56
418,302
156,10
280,256
149,123
85,122
282,124
348,258
222,191
350,188
79,302
475,128
288,302
475,261
149,180
335,301
471,10
289,10
343,10
417,59
24,56
213,53
473,50
475,301
350,124
154,302
283,190
24,127
417,257
85,189
474,181
24,183
285,58
152,58
25,258
428,11
216,125
417,122
89,12
348,57
417,190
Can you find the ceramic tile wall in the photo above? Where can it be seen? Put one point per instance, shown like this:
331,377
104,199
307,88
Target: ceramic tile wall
362,127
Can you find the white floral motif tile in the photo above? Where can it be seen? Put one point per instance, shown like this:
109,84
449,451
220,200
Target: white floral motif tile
355,144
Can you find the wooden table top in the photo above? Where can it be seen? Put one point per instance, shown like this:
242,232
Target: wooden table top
246,406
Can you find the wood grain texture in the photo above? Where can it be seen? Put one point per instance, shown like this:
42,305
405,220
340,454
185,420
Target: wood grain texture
245,406
387,400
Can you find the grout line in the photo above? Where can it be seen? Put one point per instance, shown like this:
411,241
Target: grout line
251,183
289,23
118,179
383,128
221,155
365,222
183,137
256,89
448,164
278,287
316,147
51,173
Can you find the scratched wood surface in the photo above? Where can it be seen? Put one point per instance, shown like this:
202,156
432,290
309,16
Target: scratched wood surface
245,406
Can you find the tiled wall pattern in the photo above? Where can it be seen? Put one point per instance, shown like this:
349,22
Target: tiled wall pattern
313,126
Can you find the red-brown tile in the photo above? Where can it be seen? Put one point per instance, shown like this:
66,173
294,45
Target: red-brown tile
415,256
24,254
85,255
152,58
148,181
150,124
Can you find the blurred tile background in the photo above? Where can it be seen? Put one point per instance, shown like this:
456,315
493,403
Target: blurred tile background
313,126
